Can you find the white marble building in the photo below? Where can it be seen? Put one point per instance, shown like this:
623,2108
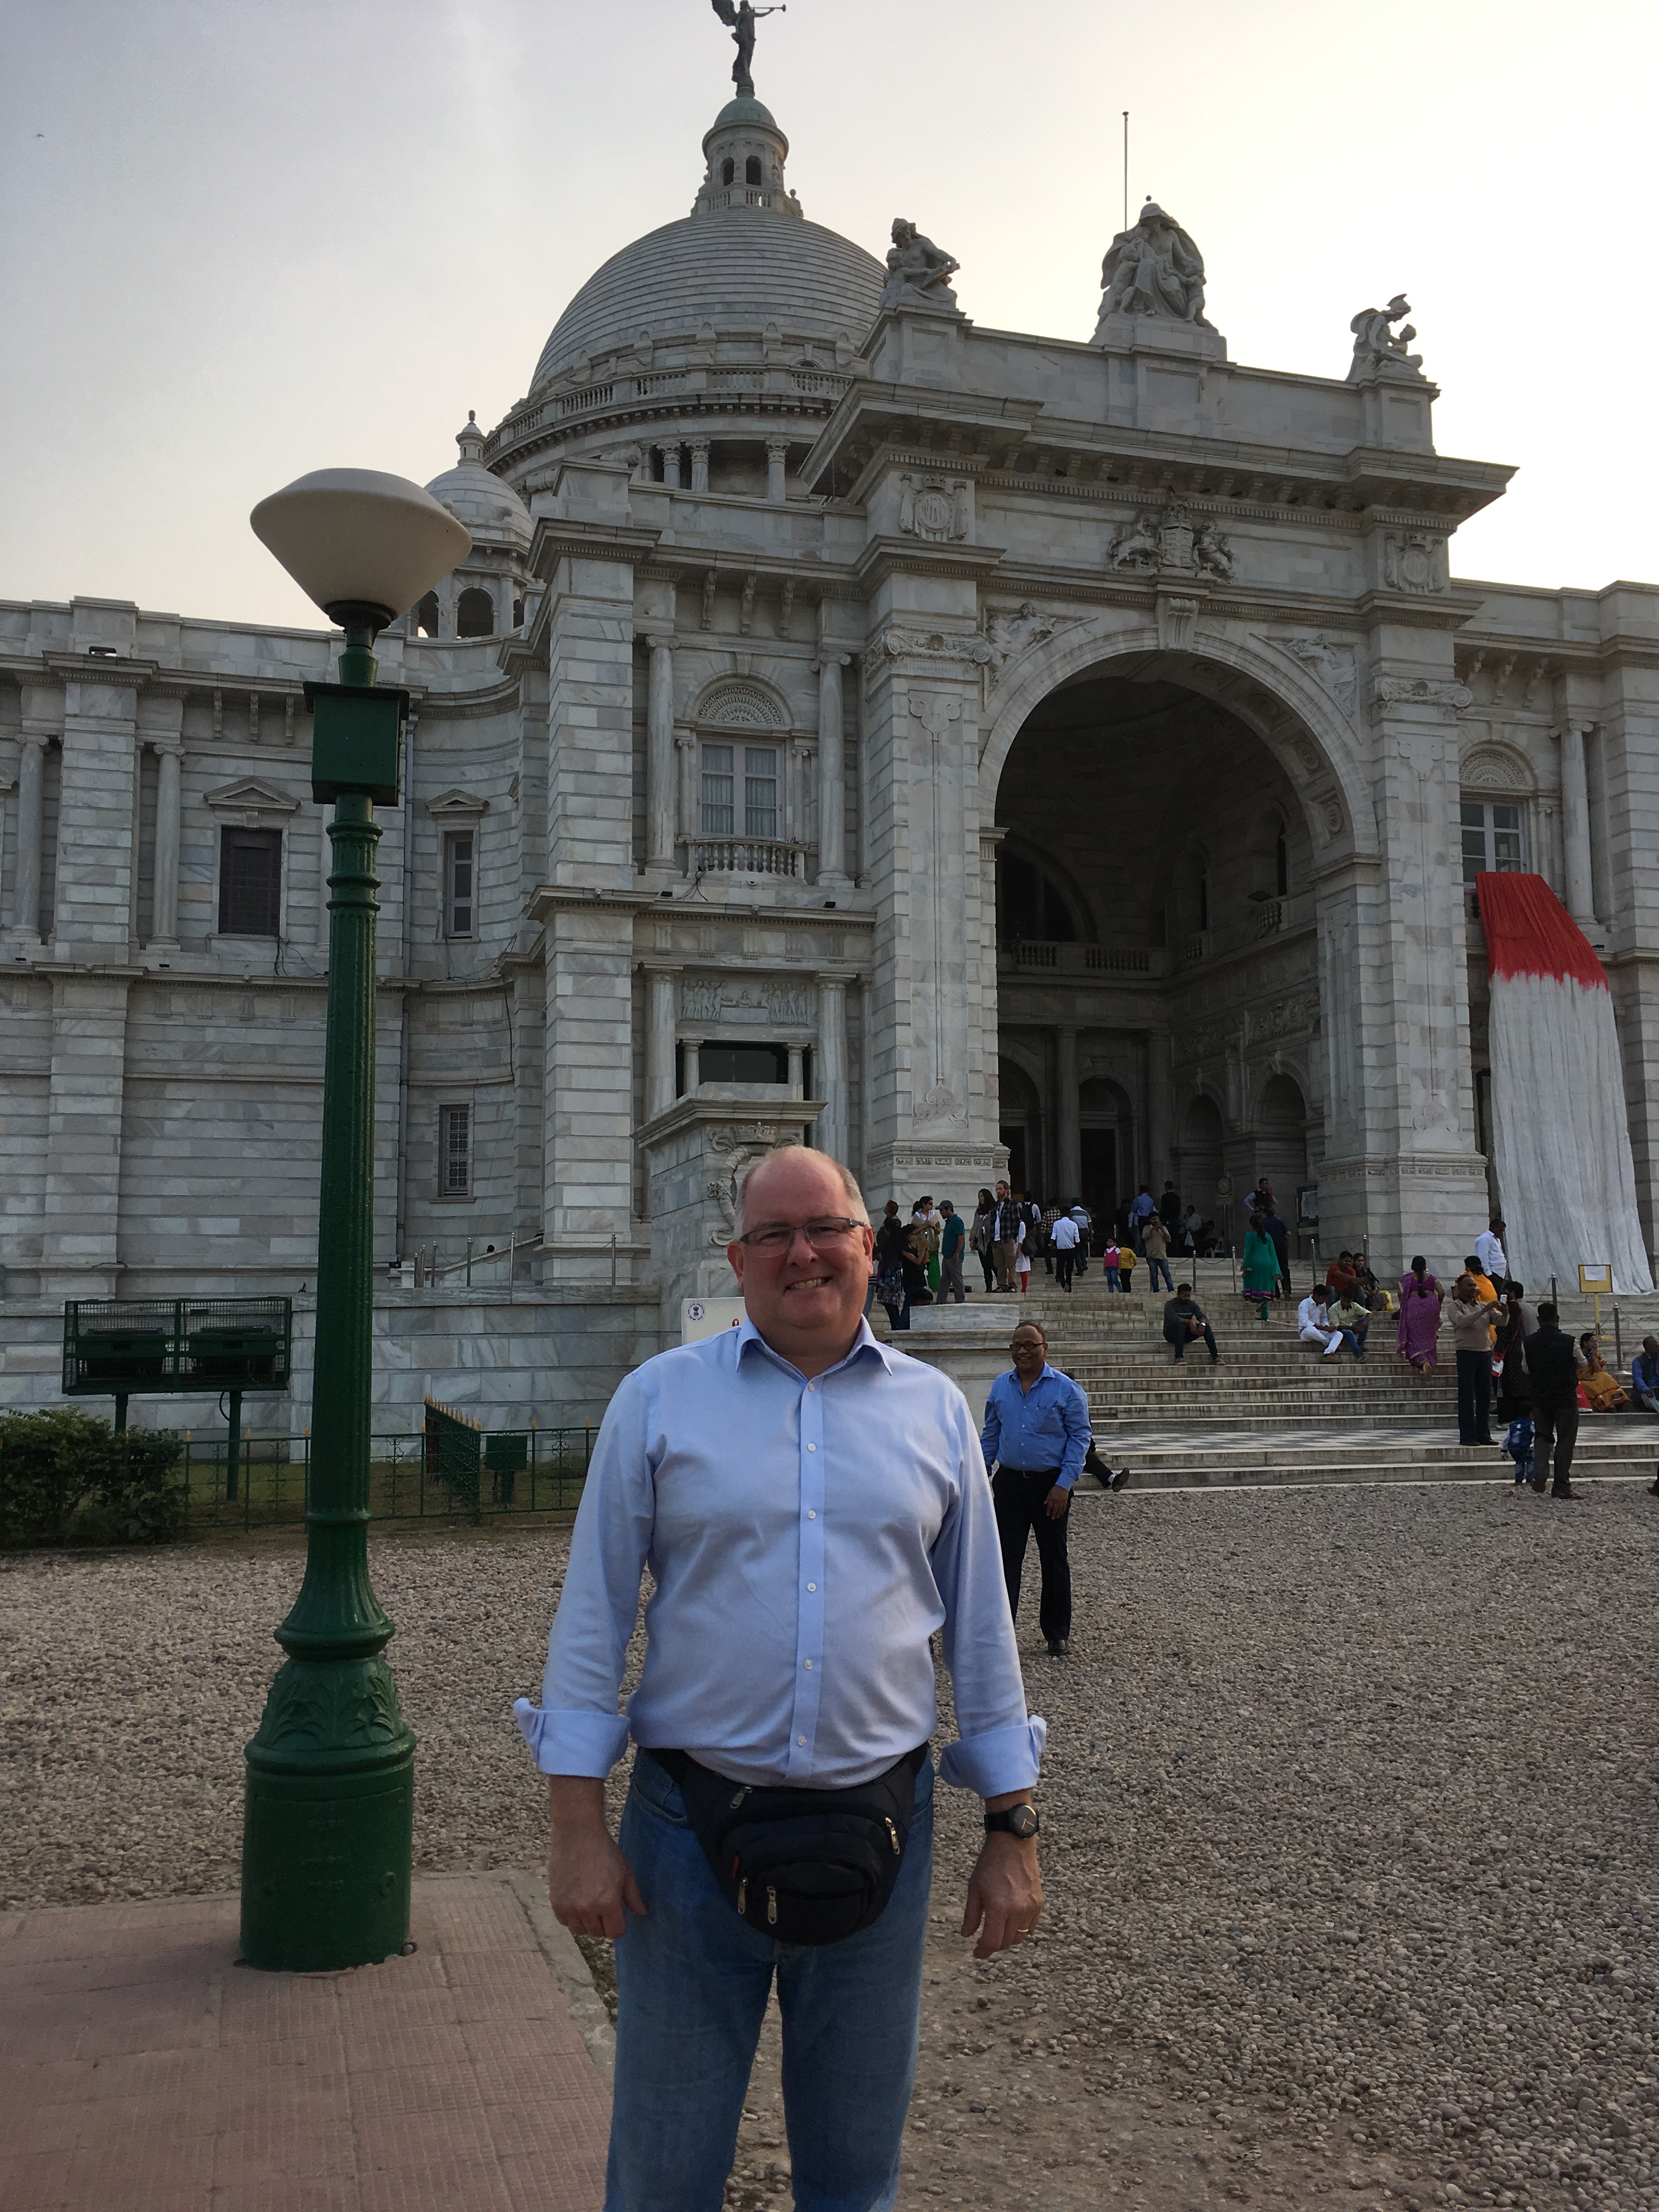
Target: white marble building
954,745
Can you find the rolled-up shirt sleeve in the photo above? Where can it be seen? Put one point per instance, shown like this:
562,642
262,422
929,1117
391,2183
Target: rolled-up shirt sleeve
577,1729
1001,1746
990,1436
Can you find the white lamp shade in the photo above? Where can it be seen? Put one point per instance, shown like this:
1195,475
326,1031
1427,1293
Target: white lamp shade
357,537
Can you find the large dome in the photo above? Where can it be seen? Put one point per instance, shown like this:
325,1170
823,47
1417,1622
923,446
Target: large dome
738,270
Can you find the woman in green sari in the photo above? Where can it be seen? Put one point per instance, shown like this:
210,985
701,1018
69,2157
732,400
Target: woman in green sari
1261,1265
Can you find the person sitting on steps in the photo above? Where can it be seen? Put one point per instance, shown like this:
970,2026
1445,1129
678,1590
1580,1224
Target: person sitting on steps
1183,1320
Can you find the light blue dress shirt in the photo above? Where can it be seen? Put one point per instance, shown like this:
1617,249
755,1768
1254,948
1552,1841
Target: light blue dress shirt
1046,1427
805,1540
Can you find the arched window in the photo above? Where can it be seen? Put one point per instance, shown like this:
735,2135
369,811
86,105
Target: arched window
1029,906
728,172
475,614
425,616
518,614
751,171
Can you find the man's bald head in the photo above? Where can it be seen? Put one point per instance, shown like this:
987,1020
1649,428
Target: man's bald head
793,1171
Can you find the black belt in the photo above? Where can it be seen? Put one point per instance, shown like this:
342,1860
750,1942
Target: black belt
1010,1469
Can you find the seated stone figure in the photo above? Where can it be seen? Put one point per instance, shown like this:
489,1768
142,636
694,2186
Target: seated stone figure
1154,269
917,271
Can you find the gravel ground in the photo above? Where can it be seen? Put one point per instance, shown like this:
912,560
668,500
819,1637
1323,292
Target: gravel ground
1349,1814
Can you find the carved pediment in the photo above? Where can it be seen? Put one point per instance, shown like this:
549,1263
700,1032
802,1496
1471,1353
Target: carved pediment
457,806
250,803
1491,766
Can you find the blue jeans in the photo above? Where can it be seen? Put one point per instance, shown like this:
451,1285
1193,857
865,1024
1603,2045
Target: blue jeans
692,1981
1168,1284
1113,1280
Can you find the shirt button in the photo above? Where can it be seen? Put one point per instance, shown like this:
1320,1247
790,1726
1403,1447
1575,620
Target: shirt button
801,1740
811,1515
812,1447
811,1586
808,1666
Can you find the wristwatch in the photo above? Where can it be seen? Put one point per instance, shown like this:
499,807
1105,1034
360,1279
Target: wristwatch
1020,1820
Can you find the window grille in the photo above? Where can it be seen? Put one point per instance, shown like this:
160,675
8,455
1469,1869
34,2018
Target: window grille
455,1151
459,878
760,790
250,883
719,820
1494,839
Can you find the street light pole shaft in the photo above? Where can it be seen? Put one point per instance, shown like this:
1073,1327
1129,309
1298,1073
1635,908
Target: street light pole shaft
328,1838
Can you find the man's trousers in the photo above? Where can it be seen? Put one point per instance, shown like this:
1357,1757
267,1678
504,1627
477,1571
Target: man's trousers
1474,1399
1005,1254
1554,1428
949,1278
1022,1503
692,1983
1064,1261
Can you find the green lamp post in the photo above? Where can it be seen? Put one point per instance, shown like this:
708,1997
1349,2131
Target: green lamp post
328,1830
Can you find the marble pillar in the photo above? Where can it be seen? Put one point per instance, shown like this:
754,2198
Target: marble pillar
671,467
777,456
797,1071
692,1048
31,822
660,797
832,798
829,1069
685,745
1575,828
700,464
1069,1126
660,1071
164,894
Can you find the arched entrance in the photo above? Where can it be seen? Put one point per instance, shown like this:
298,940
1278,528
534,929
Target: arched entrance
1158,952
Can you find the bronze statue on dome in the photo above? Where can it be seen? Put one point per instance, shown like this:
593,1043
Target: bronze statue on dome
742,19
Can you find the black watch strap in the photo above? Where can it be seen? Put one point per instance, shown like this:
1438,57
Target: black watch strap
1020,1820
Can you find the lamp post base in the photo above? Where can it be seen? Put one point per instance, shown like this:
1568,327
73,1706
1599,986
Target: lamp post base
329,1825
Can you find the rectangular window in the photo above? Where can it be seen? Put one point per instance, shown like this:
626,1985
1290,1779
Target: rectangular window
719,816
455,1152
760,790
458,875
1492,838
250,883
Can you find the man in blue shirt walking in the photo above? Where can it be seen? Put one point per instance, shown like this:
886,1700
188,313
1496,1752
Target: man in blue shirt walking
1037,1430
812,1506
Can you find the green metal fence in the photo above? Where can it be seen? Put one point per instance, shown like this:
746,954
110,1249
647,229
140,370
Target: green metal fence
450,1470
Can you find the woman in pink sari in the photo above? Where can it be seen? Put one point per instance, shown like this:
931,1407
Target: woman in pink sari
1419,1317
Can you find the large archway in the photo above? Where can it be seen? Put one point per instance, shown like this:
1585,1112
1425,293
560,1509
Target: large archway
1156,940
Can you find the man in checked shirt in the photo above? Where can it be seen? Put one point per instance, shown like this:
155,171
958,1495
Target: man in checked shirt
812,1505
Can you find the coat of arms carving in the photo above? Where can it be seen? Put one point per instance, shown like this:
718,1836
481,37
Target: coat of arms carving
932,508
1172,538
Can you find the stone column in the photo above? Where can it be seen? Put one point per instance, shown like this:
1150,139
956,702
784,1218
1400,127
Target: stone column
829,1070
31,816
797,1071
659,1071
685,745
777,455
1159,1140
1575,828
659,756
1067,1122
691,1046
832,798
164,895
671,468
700,464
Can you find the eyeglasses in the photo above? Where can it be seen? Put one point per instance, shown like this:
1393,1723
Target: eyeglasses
778,1236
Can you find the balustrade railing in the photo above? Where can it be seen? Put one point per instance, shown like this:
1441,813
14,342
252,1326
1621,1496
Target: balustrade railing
746,856
1040,954
1268,918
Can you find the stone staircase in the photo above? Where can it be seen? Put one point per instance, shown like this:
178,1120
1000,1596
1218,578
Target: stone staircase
1275,1411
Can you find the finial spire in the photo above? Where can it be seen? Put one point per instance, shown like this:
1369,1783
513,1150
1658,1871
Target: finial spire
741,19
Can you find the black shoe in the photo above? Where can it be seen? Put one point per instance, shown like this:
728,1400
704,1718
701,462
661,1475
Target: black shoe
1119,1478
1563,1489
1059,1646
1540,1484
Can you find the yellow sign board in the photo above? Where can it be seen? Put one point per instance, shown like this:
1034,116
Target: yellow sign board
1591,1280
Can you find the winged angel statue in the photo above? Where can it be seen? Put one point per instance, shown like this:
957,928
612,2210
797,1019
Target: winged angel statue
741,19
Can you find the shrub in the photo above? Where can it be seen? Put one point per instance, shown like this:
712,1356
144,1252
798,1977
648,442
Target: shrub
68,1478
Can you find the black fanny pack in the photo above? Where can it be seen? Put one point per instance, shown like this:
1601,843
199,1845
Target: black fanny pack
802,1866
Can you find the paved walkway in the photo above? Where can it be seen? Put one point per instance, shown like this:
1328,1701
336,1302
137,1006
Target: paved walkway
141,2071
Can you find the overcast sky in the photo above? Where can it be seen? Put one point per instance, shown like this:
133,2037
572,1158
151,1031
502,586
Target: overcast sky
242,239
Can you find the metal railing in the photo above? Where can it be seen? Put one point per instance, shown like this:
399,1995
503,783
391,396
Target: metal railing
514,1471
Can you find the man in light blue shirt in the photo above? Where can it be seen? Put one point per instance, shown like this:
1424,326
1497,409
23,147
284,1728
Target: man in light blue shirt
1036,1430
812,1505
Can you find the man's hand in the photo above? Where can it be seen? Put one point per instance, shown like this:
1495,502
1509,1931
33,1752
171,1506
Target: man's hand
589,1884
1057,1502
1005,1893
